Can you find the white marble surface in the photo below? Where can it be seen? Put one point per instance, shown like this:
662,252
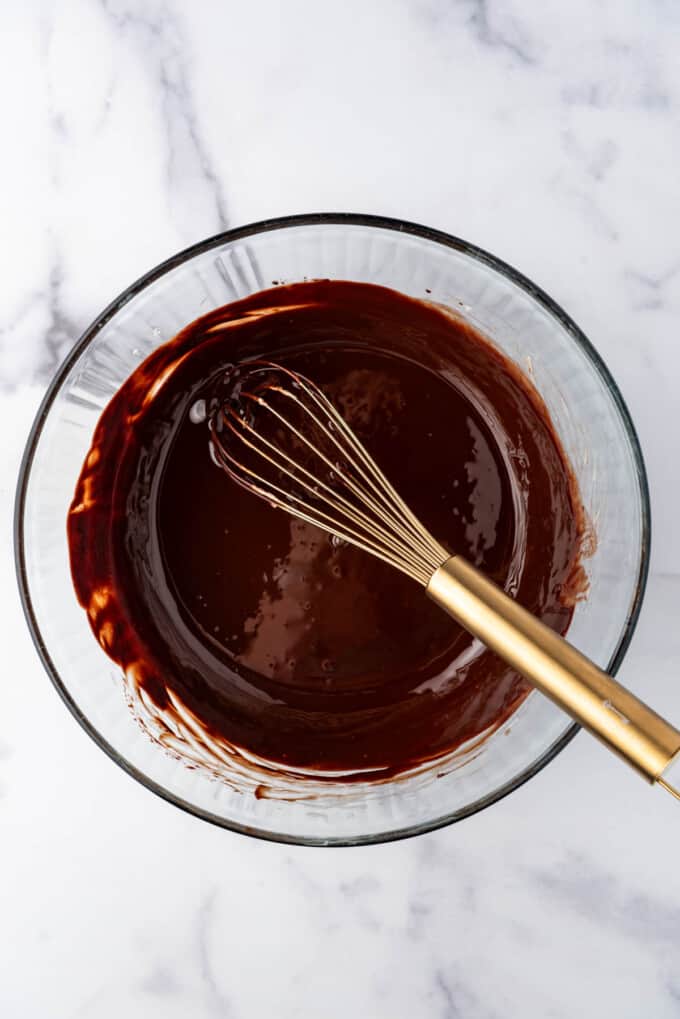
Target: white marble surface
548,133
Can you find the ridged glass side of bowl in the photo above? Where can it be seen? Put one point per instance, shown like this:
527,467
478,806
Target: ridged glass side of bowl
586,409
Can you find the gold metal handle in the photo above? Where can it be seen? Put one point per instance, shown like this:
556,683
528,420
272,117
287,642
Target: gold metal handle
616,716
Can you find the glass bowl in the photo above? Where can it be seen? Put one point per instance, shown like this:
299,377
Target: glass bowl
587,410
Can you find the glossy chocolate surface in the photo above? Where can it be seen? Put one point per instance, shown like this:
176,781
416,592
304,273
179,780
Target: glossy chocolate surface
279,639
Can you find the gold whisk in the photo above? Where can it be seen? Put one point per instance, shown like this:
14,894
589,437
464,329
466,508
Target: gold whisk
281,438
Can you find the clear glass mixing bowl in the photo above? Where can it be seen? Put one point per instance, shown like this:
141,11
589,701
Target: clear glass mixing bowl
585,405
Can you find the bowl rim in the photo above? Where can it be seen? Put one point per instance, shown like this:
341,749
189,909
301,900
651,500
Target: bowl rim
248,230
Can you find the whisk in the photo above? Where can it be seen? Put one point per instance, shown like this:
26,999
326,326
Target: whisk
280,437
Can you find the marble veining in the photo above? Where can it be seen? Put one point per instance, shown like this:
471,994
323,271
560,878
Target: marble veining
159,42
547,133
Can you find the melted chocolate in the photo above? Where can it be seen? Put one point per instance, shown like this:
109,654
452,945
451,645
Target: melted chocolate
282,641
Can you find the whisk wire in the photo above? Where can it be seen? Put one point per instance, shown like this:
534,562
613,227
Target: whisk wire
365,497
379,521
284,497
374,476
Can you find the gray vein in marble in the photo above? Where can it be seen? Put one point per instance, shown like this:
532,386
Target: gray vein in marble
107,103
436,864
92,1003
489,22
673,989
629,75
58,132
584,887
358,892
585,204
217,1001
651,288
316,893
62,330
597,160
494,27
603,95
161,982
161,40
417,919
458,1001
359,886
446,993
25,308
302,878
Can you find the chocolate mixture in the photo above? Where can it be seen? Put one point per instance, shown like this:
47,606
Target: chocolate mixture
283,641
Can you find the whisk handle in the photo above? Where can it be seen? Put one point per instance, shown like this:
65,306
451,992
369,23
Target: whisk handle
616,716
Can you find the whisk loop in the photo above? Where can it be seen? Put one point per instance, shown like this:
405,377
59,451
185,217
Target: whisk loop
281,437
